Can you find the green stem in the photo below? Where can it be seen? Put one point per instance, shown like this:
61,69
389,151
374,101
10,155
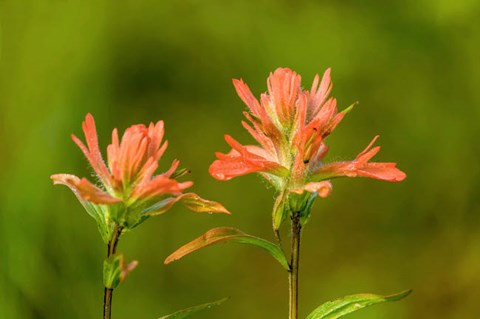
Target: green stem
108,293
294,263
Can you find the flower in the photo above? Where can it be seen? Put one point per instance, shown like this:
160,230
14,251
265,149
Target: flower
127,191
290,125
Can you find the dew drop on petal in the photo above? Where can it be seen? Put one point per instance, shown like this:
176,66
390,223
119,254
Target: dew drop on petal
219,175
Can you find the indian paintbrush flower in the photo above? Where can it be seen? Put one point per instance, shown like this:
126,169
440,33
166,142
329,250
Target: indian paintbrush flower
127,191
290,125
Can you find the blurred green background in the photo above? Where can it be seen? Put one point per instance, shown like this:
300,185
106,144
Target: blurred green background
413,65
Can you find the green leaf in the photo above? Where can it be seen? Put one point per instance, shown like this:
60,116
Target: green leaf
187,312
112,271
141,211
115,271
227,234
343,306
158,208
280,211
197,204
307,210
100,213
191,201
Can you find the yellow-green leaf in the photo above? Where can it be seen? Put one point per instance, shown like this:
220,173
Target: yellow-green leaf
228,234
115,270
187,312
343,306
197,204
112,271
280,211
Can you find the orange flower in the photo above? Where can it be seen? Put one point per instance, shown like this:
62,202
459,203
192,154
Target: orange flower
290,125
128,191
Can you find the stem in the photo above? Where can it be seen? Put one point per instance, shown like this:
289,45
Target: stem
294,263
108,293
107,303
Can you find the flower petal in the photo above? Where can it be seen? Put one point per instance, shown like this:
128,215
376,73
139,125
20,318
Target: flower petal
360,167
368,152
158,186
284,88
223,169
259,136
155,133
84,189
246,95
318,97
382,171
92,153
243,160
323,188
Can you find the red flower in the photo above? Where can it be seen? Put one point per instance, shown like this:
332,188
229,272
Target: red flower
290,125
129,178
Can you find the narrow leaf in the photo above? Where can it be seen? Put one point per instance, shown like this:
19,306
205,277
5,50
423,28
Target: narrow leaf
115,270
112,271
280,211
227,234
187,312
197,204
343,306
191,201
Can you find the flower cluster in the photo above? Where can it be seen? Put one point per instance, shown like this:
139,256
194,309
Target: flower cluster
128,192
290,125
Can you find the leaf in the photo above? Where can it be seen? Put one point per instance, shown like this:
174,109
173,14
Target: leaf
228,234
98,212
112,271
191,201
305,216
115,271
159,207
280,211
343,306
187,312
138,214
197,204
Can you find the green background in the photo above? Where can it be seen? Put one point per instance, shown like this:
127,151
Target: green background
414,67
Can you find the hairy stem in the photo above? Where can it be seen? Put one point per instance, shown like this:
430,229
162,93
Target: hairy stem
108,293
294,263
